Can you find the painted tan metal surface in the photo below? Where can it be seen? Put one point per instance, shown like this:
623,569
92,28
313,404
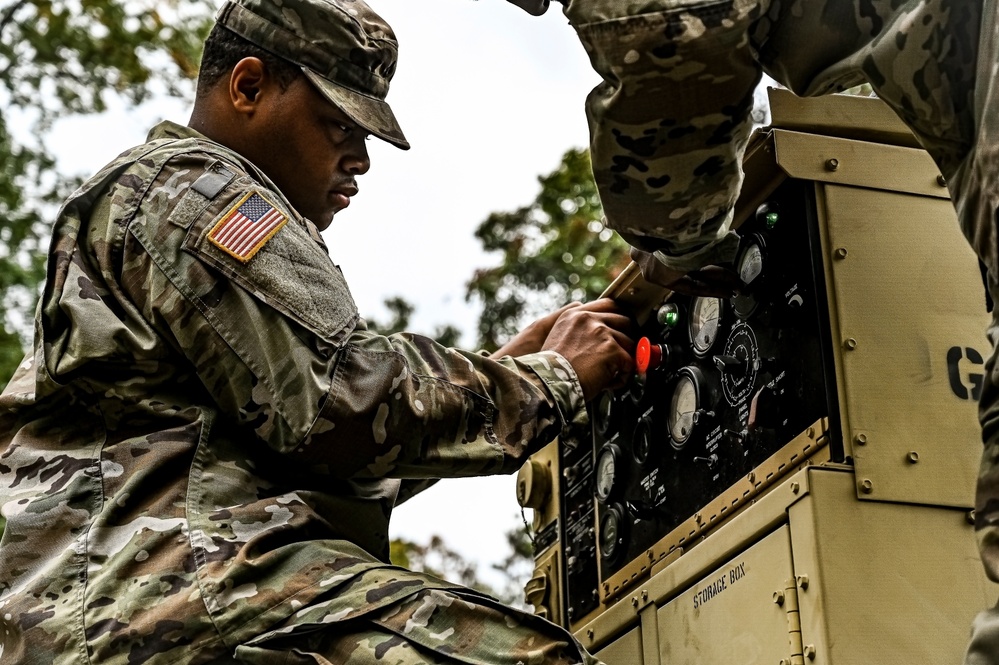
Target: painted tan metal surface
848,162
767,513
883,582
897,326
705,625
625,650
847,116
544,590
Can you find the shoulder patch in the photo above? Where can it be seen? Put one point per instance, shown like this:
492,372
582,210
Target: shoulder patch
247,226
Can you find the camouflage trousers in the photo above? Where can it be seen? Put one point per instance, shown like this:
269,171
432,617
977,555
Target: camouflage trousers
431,627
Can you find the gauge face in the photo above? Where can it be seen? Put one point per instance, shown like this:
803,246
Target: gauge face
643,441
605,412
705,322
741,344
606,473
751,263
610,532
683,406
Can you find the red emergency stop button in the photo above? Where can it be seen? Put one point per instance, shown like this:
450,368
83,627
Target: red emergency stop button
648,355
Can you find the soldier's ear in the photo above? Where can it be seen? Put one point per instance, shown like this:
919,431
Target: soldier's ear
246,84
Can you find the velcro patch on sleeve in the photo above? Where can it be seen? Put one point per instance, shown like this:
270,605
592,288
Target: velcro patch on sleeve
247,226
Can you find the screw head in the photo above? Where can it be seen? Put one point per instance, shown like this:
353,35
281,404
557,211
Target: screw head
809,651
860,439
802,581
942,181
850,344
589,634
779,597
866,486
912,457
795,488
840,253
970,516
832,164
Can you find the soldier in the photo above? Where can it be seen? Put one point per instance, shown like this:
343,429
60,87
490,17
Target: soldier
670,121
200,458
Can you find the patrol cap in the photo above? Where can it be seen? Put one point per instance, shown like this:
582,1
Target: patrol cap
344,48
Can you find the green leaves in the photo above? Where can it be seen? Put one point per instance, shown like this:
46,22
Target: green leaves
552,252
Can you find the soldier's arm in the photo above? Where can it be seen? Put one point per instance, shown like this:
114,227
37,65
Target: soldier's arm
273,341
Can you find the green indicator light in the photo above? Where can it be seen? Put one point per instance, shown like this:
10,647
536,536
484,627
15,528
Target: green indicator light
772,218
668,315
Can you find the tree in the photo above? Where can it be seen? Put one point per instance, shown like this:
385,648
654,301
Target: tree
401,311
552,251
437,559
61,58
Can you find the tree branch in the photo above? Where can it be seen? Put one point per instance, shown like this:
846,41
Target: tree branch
8,15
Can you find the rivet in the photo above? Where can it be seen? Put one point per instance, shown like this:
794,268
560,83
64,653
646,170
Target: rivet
942,181
810,651
589,634
634,601
652,555
779,597
860,439
810,433
850,344
784,661
913,457
802,581
866,486
697,517
795,488
645,595
752,477
840,253
970,516
832,164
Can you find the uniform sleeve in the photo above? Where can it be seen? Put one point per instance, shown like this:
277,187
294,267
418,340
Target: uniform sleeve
274,341
670,120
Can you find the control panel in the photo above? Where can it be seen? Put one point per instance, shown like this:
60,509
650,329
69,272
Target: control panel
722,385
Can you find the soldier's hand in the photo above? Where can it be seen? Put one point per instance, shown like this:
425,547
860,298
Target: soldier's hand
532,338
713,281
595,339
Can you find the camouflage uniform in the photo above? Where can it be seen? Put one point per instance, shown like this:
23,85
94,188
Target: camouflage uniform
200,458
670,121
203,450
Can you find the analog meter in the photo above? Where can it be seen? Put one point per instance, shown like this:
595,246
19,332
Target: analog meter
685,405
607,472
705,323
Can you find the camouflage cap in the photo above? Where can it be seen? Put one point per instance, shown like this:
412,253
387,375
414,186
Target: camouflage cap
344,48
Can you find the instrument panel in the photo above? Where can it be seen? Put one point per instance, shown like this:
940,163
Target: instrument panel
722,384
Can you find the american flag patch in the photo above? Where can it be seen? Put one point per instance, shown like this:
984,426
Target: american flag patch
247,227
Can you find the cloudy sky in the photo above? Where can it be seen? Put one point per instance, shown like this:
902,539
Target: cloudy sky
490,98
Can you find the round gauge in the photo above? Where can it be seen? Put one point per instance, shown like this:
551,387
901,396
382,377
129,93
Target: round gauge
607,471
612,527
643,441
604,415
751,263
683,407
705,323
743,353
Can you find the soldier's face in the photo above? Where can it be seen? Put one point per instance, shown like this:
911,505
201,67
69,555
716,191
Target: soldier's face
313,152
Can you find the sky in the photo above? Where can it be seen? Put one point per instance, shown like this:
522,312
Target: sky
490,98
